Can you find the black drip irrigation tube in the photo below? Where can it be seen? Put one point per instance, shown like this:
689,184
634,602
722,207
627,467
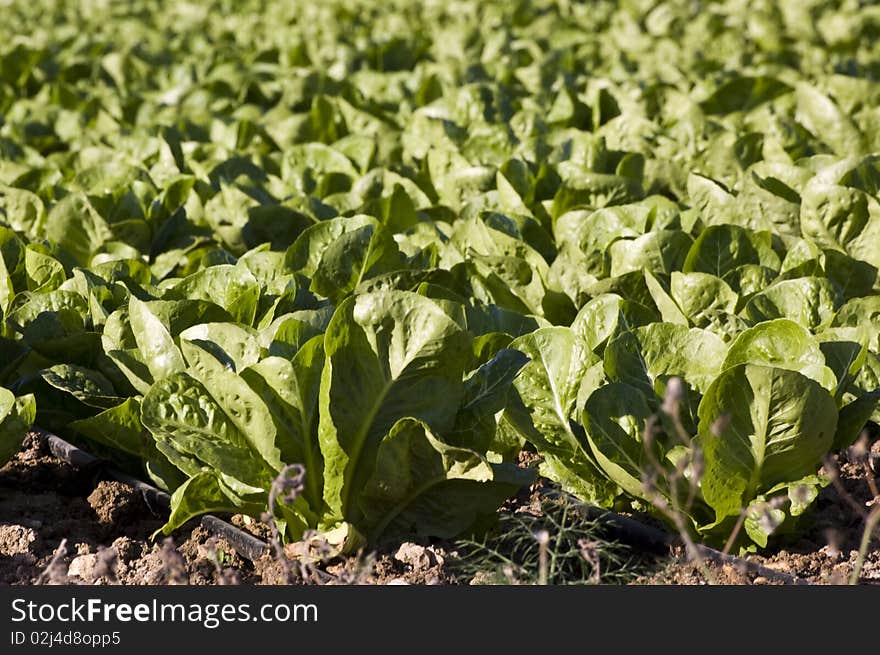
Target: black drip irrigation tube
635,533
156,500
617,526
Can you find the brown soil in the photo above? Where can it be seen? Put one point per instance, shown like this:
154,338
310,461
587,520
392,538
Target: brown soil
106,528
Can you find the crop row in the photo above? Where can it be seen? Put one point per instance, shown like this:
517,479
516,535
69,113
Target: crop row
399,245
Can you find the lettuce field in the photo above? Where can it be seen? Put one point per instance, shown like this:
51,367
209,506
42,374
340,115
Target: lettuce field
371,269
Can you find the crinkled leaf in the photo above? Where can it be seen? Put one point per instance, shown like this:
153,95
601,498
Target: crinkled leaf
389,355
783,344
84,384
760,426
182,414
808,301
423,486
290,391
485,395
548,387
614,418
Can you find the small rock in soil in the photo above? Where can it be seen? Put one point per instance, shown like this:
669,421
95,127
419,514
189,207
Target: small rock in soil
418,557
83,567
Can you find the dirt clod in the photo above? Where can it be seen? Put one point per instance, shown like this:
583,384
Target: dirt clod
83,567
415,556
127,549
116,503
17,539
